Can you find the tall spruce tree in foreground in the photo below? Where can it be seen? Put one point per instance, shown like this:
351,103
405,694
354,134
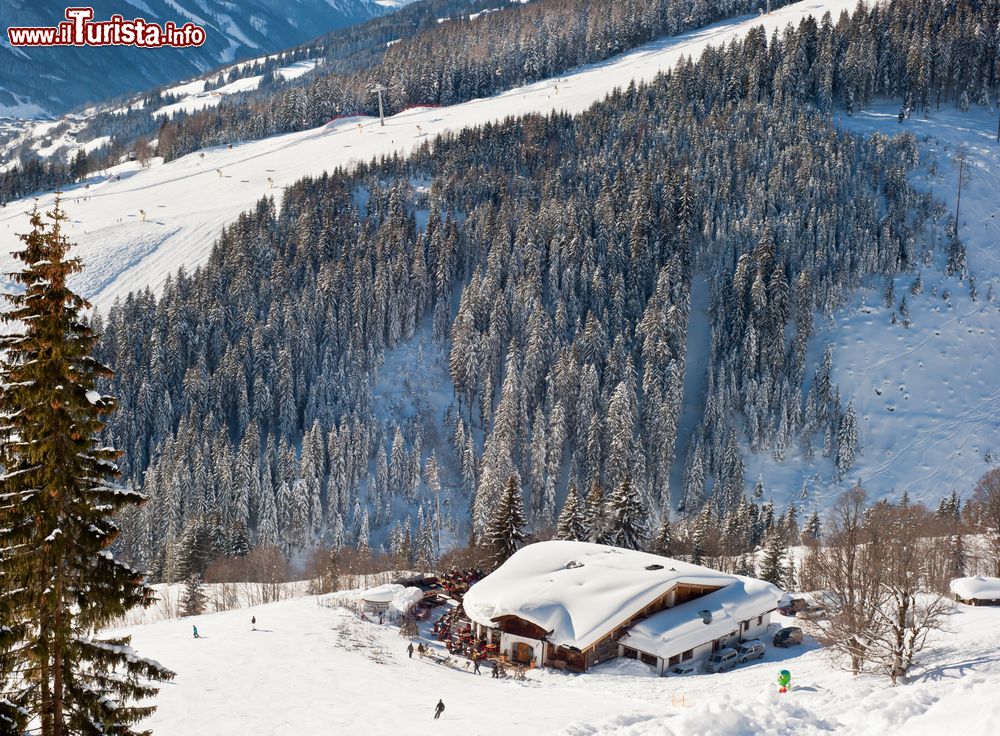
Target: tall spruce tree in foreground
505,531
61,584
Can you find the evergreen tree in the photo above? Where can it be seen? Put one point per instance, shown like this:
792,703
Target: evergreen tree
664,537
61,584
594,514
699,534
626,517
772,567
847,441
813,529
505,531
193,602
571,522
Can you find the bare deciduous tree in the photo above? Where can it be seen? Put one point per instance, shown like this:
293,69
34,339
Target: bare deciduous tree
875,584
909,611
986,500
851,580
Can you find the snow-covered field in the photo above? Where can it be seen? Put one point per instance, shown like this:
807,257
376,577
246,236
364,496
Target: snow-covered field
927,395
187,201
308,669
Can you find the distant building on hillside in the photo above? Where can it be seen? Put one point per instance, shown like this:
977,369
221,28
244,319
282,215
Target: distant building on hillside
571,605
976,591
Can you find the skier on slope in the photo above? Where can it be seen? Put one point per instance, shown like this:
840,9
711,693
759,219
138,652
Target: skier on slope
438,709
253,622
194,629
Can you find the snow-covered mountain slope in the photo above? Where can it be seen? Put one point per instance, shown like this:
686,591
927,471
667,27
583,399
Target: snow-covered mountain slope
926,396
308,669
926,389
74,76
188,200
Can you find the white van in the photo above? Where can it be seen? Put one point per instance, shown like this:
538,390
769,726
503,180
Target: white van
722,660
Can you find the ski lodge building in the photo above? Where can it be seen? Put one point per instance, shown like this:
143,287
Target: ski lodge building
571,605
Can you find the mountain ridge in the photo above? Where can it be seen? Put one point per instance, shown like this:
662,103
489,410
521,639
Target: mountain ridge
87,74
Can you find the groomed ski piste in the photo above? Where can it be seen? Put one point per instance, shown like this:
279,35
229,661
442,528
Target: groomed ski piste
308,669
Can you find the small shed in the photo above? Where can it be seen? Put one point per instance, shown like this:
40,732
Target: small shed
378,600
978,590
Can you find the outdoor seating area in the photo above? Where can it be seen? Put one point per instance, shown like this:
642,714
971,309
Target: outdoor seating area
457,582
455,631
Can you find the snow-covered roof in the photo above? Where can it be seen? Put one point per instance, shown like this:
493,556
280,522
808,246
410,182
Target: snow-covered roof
684,627
578,591
401,597
978,587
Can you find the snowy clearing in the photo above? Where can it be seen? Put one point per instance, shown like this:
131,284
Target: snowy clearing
308,669
927,395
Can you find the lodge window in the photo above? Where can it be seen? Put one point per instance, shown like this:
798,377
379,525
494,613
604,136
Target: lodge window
674,660
760,620
630,653
689,654
648,659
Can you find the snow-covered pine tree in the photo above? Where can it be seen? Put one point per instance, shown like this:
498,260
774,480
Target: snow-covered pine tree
193,601
847,441
663,541
813,529
61,584
505,531
593,518
364,543
698,535
772,566
571,524
627,526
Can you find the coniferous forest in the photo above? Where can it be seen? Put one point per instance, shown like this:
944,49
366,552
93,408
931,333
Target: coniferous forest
554,260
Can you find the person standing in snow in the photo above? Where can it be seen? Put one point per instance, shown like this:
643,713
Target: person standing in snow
253,622
438,709
475,666
409,650
195,630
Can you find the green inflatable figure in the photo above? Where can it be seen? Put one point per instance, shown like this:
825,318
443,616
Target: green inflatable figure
784,677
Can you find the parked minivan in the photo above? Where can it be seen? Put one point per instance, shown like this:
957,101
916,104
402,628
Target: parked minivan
722,660
788,636
750,649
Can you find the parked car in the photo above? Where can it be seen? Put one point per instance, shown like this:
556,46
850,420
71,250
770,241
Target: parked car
811,613
722,660
750,649
792,606
683,669
788,636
